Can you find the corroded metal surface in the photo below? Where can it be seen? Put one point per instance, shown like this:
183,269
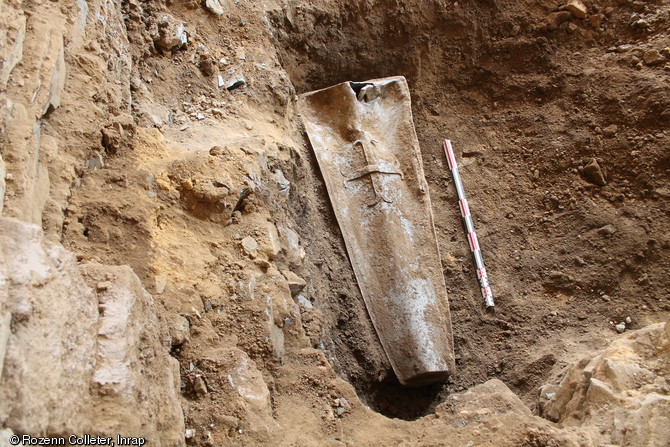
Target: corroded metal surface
366,146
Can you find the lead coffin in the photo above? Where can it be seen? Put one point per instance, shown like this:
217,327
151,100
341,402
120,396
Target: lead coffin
366,147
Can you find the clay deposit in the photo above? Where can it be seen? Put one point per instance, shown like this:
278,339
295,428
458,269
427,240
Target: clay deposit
171,266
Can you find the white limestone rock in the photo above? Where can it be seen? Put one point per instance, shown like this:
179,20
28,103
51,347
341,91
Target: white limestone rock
83,344
171,33
249,246
621,392
217,7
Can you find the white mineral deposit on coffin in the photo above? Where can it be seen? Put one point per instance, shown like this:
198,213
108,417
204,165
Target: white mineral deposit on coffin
368,154
416,310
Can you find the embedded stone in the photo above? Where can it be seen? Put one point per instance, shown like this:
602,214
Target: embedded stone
295,283
593,174
652,57
249,245
171,34
57,82
555,19
576,8
599,392
215,7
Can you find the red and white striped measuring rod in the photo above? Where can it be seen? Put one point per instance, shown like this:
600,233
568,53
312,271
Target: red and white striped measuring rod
469,227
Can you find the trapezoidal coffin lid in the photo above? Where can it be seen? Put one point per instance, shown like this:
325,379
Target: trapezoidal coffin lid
366,146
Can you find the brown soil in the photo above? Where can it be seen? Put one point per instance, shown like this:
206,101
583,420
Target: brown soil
526,110
528,107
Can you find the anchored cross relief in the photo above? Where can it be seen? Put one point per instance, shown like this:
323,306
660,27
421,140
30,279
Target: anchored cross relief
375,167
